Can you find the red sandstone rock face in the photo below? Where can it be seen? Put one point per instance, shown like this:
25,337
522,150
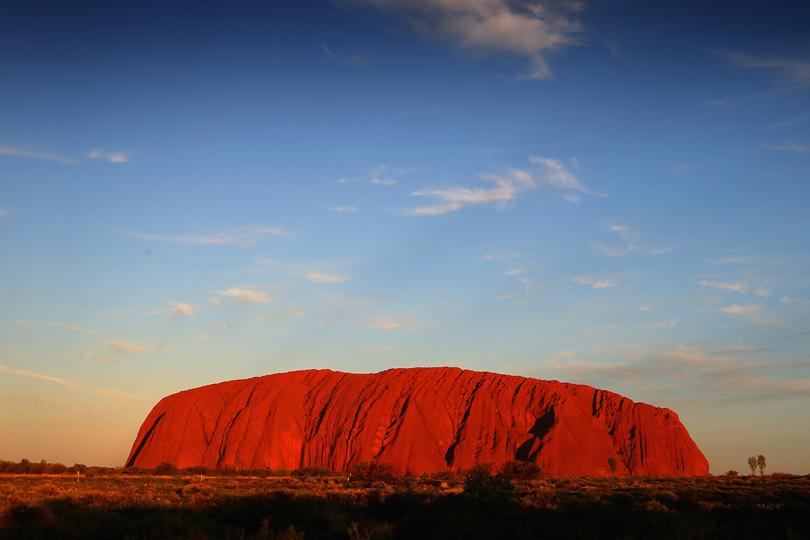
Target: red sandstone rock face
422,420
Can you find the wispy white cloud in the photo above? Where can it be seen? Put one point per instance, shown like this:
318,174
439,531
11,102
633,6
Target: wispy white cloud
733,260
343,208
677,169
250,296
376,176
737,286
508,185
595,283
76,328
112,157
242,236
293,312
96,357
24,323
793,121
613,252
176,309
378,349
662,325
789,146
788,300
359,60
620,251
756,313
2,212
325,277
77,387
181,309
323,272
784,71
663,250
556,175
748,309
127,347
9,151
529,29
388,322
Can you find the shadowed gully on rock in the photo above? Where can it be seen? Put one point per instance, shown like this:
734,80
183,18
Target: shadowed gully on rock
420,419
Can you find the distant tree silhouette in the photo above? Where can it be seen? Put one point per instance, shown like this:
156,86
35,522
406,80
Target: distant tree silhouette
760,463
752,462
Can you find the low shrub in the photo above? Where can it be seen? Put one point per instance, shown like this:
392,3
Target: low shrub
373,471
521,470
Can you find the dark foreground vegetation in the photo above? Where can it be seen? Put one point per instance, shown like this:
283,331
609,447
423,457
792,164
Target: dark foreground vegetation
375,503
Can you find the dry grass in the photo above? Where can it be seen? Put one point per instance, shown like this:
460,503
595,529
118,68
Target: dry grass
121,506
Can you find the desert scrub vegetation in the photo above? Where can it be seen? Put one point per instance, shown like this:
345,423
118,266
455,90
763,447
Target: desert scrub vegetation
314,504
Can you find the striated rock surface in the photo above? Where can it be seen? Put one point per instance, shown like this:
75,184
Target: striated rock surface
421,419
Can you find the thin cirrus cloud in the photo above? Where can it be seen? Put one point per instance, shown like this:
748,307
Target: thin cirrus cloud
785,71
789,146
359,60
9,151
528,29
739,287
340,209
127,347
613,251
508,186
76,328
387,322
78,388
748,309
375,176
249,296
595,283
243,237
317,273
112,157
177,309
755,313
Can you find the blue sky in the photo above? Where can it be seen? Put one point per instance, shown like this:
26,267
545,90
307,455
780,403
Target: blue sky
607,193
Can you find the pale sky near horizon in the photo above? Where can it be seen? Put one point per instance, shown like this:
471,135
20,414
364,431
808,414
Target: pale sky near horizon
612,193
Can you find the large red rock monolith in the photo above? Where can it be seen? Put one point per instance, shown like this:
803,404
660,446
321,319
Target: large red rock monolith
420,419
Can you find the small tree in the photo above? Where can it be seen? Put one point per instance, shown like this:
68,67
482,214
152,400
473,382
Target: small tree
613,464
760,463
752,462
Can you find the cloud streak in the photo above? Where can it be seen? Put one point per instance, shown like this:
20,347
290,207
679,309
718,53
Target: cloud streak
129,348
112,157
317,273
790,146
359,60
78,388
9,151
595,283
249,296
739,287
243,237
